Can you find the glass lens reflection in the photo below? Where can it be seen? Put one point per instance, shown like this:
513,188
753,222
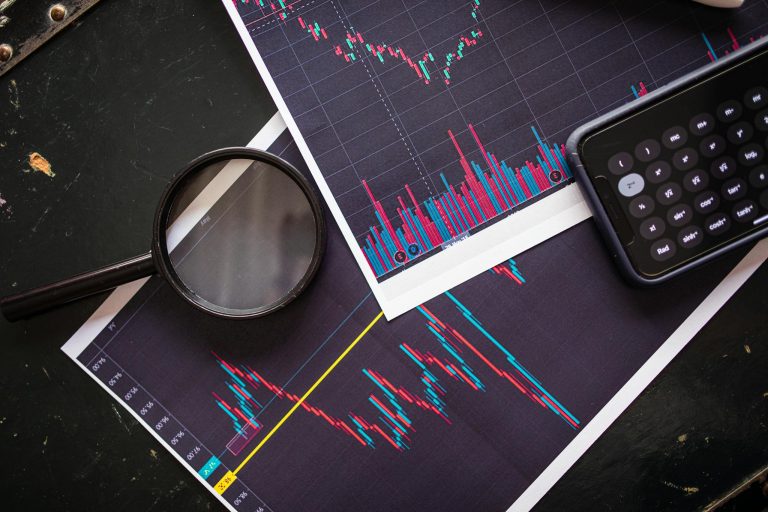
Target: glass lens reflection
245,240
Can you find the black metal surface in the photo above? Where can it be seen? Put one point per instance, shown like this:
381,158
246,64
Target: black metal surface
27,24
117,104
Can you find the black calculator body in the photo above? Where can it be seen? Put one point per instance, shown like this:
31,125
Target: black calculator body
680,176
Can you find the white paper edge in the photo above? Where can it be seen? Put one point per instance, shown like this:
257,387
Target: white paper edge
461,262
199,206
642,378
122,294
224,179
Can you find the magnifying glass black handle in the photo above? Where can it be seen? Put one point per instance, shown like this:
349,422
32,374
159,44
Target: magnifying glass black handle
24,304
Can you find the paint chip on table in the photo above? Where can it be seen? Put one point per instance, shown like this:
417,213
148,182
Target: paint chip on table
39,163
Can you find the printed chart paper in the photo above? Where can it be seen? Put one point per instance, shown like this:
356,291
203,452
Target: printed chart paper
435,129
479,399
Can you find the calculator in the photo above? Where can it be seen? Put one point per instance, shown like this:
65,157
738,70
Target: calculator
680,176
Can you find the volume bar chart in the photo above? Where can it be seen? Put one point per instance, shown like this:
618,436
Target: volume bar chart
490,189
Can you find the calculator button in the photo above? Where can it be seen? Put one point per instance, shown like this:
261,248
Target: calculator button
717,224
723,167
652,228
641,206
690,237
647,150
679,215
702,124
740,132
744,211
669,193
734,189
761,121
729,111
631,185
674,137
658,172
764,199
696,181
685,159
663,249
620,163
756,98
706,202
712,146
758,177
751,154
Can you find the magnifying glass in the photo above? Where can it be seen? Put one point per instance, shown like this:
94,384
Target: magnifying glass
238,233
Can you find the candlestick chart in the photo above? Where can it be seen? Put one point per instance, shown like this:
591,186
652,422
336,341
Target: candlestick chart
393,406
429,125
725,48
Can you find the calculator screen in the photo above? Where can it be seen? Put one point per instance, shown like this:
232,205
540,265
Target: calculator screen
688,174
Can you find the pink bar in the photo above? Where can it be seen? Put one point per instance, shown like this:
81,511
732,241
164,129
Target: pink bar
504,180
406,228
471,203
446,220
522,184
463,208
372,243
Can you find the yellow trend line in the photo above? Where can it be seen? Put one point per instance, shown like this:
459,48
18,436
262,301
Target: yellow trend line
230,476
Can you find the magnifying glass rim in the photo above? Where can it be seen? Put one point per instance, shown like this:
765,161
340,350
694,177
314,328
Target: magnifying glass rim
162,257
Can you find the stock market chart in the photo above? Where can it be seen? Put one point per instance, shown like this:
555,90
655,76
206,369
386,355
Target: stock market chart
457,405
430,123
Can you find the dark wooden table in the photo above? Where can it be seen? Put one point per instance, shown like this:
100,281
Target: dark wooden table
117,103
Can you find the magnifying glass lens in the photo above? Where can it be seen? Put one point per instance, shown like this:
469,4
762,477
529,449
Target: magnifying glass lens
242,237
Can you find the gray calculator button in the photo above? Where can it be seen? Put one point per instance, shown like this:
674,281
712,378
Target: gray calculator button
669,193
658,172
702,124
744,211
734,189
729,111
761,120
631,185
685,159
740,132
652,228
756,97
620,163
706,202
679,215
712,146
663,249
717,224
647,150
674,137
690,237
758,177
751,154
696,181
723,167
641,206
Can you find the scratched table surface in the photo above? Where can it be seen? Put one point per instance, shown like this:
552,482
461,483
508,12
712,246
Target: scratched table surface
115,104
